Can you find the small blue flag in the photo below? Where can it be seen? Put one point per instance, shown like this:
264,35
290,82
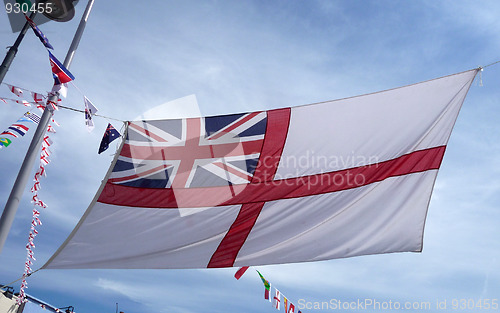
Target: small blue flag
110,135
39,33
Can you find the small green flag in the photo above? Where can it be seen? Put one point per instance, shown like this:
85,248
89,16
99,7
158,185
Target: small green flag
266,283
4,142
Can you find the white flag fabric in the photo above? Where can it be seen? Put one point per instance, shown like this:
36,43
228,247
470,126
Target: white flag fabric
62,89
38,98
331,180
15,90
90,110
276,299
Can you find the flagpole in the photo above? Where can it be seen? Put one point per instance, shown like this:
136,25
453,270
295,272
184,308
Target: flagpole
12,204
11,54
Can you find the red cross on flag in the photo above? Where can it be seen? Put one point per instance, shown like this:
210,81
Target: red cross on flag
276,299
269,187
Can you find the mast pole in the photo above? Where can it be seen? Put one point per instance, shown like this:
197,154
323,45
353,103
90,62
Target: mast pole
12,204
11,54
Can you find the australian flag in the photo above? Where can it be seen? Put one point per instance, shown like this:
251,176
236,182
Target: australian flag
39,33
110,135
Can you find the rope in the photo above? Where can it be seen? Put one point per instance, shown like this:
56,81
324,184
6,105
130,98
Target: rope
82,111
68,108
481,67
480,70
15,281
20,88
59,106
73,84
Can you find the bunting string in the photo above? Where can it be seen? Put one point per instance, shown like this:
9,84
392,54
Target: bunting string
482,67
61,76
18,129
274,299
39,98
37,204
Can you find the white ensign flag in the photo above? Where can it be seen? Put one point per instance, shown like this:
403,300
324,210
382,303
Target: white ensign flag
330,180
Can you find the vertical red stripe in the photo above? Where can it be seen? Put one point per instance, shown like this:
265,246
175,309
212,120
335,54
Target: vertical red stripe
229,247
274,141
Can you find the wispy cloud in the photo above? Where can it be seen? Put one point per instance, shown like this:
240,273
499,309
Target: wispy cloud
246,56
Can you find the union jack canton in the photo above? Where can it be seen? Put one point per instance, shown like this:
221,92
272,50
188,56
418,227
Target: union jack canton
191,153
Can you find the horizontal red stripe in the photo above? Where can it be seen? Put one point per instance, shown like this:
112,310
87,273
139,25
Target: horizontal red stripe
262,191
193,151
21,126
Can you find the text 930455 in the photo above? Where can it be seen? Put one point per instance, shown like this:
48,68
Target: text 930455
26,7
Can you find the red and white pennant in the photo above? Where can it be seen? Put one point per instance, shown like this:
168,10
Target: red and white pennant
44,160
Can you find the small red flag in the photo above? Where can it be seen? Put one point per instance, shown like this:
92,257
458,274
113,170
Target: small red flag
240,272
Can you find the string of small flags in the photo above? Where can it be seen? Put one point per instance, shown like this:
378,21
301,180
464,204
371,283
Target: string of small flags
45,306
38,100
37,205
275,300
61,76
18,129
90,110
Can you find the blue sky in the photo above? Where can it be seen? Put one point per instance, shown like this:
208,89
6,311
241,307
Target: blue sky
239,56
